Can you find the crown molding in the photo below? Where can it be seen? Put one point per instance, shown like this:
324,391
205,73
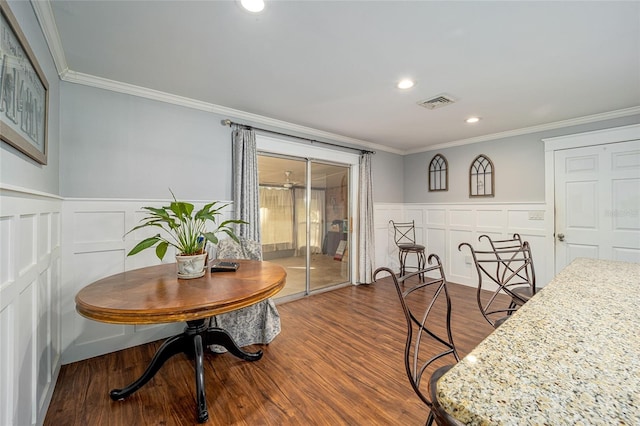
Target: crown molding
130,89
47,22
533,129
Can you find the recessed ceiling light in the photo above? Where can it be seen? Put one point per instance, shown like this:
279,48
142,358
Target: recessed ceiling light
254,6
472,120
406,84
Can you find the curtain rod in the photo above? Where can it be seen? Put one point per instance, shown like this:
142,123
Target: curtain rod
227,122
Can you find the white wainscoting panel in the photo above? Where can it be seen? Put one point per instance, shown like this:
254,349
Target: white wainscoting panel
95,246
30,332
460,217
437,238
436,217
442,227
385,249
491,219
6,236
26,243
7,372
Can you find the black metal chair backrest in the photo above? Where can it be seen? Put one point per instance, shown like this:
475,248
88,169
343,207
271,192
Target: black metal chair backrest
509,243
404,233
507,252
502,271
427,309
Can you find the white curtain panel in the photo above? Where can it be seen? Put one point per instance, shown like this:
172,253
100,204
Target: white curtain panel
316,220
276,215
366,253
245,183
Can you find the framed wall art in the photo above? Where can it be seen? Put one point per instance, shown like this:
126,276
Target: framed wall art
24,91
438,173
481,176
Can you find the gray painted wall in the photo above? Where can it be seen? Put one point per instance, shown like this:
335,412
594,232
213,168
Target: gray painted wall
387,171
518,161
16,168
122,146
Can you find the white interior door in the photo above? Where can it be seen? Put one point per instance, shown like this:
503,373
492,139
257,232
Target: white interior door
597,200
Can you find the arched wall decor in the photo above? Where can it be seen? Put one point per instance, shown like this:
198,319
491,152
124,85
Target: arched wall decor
481,177
438,173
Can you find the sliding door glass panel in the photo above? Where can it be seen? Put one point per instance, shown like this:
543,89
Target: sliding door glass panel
282,181
328,225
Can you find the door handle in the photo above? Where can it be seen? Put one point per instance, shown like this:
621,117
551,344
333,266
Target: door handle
560,237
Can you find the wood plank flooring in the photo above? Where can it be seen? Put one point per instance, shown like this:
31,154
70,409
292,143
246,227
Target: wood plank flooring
337,361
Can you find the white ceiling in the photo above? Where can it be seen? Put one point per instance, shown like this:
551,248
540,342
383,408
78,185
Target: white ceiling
330,67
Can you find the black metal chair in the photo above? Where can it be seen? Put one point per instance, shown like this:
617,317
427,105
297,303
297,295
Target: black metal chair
427,310
524,292
509,243
510,271
404,235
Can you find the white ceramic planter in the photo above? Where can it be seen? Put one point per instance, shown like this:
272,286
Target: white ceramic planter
191,266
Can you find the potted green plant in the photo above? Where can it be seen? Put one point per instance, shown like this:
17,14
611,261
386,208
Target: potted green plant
185,230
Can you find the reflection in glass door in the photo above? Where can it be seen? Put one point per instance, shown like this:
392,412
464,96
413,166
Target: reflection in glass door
329,225
304,211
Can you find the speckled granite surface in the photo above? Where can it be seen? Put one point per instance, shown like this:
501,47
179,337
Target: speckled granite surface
571,355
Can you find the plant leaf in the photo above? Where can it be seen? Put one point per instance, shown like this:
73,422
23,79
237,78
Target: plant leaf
144,244
181,209
237,221
161,212
232,235
211,236
161,250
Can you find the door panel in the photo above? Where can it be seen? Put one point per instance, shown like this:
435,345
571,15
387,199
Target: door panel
597,191
582,205
582,250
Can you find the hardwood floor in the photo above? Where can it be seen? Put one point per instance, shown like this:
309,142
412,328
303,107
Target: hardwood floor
337,361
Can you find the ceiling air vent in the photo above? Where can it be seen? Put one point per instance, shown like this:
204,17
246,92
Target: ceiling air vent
437,102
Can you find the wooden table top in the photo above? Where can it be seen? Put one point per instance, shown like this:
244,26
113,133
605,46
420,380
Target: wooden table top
155,294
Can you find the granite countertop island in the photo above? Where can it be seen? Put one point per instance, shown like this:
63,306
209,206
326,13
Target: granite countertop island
571,355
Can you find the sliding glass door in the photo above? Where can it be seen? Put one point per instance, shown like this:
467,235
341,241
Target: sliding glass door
304,211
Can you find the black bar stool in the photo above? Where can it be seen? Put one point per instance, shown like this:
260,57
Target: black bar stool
427,310
404,235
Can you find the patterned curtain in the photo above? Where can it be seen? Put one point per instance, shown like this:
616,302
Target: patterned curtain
246,198
366,254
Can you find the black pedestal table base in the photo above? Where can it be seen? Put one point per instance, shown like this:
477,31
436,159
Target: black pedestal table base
191,342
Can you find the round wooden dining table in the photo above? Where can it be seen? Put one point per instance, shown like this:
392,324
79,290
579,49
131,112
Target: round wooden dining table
156,295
